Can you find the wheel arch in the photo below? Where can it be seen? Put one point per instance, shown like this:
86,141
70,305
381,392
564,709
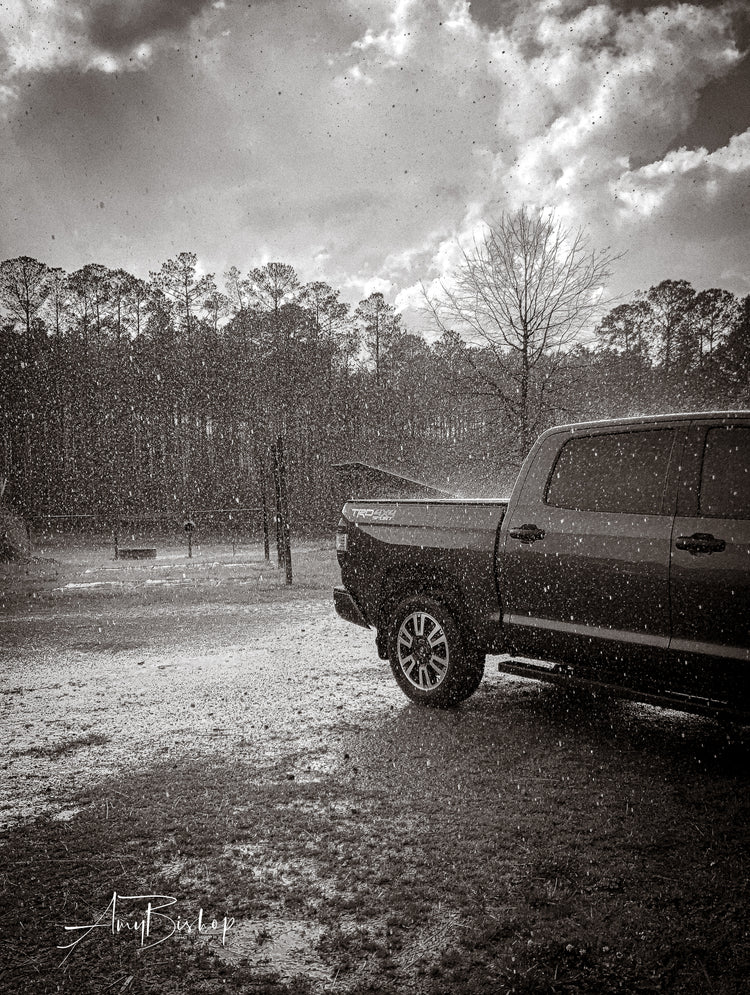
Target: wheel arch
400,583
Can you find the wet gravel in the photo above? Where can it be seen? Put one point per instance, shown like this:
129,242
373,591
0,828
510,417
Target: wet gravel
100,691
81,700
92,687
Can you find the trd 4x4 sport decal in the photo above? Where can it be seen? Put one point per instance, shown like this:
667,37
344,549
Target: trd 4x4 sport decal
372,514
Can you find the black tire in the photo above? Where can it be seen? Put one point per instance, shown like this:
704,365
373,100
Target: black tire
429,656
473,675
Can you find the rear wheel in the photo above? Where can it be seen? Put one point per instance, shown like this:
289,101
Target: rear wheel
430,658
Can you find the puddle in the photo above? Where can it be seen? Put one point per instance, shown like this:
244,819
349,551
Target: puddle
260,867
312,769
287,947
285,875
88,586
65,814
181,873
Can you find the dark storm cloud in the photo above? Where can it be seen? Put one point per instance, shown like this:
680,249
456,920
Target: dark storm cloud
494,14
357,139
117,25
721,111
114,128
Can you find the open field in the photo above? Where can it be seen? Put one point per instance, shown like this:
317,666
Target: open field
193,729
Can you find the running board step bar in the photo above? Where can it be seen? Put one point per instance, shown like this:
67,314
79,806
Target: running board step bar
563,675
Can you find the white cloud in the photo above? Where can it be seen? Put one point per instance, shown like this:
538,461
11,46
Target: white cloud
699,194
624,85
583,96
370,285
405,25
7,94
47,35
363,140
652,187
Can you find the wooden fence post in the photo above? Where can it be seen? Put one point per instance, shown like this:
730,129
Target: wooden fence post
277,516
285,533
266,548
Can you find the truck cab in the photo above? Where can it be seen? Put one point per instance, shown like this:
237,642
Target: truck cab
642,574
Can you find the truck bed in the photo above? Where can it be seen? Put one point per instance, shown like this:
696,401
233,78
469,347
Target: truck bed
443,542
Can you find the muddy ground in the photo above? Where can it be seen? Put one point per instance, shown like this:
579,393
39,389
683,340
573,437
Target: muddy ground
194,729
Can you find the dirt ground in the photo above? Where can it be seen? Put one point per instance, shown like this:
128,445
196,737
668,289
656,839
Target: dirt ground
197,730
108,666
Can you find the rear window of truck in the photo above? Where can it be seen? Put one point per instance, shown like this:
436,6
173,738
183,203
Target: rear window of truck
725,480
622,472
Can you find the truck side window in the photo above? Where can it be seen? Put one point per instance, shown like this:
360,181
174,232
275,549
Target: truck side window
621,472
725,479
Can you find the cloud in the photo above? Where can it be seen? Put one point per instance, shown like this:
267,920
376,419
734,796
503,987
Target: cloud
119,25
585,97
660,188
106,35
372,285
693,206
361,140
618,88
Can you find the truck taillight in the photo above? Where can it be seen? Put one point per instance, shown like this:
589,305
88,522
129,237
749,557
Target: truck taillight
342,542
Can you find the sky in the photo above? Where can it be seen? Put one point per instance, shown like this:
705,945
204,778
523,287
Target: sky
362,141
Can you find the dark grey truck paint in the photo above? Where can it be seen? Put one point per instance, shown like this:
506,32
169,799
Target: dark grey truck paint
621,558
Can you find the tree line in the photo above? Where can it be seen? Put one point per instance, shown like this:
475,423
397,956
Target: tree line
122,395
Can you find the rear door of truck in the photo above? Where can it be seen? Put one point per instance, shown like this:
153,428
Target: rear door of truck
585,559
710,575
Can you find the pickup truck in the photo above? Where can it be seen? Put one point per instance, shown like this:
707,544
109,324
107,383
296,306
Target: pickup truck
620,561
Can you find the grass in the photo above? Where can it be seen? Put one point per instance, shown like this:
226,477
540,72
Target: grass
475,876
510,846
221,571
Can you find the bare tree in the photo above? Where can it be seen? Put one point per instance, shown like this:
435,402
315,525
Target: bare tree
524,291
